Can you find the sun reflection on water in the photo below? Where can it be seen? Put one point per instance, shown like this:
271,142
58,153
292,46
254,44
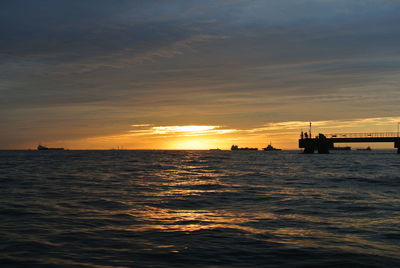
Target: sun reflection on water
262,205
195,220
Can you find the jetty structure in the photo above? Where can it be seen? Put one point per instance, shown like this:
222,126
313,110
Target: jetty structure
325,142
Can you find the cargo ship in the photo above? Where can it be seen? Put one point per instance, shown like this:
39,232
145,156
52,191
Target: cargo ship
44,148
237,148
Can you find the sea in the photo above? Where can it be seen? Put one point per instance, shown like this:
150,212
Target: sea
128,208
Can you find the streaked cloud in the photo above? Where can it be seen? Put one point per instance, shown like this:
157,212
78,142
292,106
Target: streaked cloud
377,124
283,134
191,130
141,125
72,71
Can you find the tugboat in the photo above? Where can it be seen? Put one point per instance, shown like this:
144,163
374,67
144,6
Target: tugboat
44,148
271,148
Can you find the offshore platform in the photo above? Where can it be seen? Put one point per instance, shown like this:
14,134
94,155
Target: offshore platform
325,142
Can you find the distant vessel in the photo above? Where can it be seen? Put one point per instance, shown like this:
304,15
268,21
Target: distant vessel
364,149
271,148
215,149
236,148
344,148
44,148
117,149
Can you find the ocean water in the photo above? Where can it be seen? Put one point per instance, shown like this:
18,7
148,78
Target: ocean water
199,209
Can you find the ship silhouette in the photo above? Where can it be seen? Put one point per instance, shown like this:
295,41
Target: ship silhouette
271,148
364,149
237,148
44,148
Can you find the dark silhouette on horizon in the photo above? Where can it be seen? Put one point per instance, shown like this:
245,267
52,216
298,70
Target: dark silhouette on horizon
44,148
237,148
325,142
271,148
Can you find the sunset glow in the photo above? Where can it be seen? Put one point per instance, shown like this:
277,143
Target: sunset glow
146,75
188,130
194,143
282,134
183,129
200,133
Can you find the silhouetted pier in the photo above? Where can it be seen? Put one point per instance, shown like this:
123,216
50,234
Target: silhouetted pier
324,142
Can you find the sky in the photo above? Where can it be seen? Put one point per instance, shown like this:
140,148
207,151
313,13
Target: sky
195,74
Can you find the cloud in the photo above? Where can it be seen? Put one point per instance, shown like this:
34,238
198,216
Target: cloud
141,125
189,130
238,64
285,127
384,123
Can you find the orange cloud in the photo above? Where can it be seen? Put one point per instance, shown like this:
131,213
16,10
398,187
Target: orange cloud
188,130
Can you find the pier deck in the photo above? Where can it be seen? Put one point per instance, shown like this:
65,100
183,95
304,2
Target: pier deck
324,142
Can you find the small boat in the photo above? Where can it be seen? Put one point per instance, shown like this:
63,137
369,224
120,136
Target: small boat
237,148
271,148
44,148
364,149
214,150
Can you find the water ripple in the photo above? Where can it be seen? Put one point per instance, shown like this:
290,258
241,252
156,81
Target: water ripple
198,208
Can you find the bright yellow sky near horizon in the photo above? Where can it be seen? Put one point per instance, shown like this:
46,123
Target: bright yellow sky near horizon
196,74
202,137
